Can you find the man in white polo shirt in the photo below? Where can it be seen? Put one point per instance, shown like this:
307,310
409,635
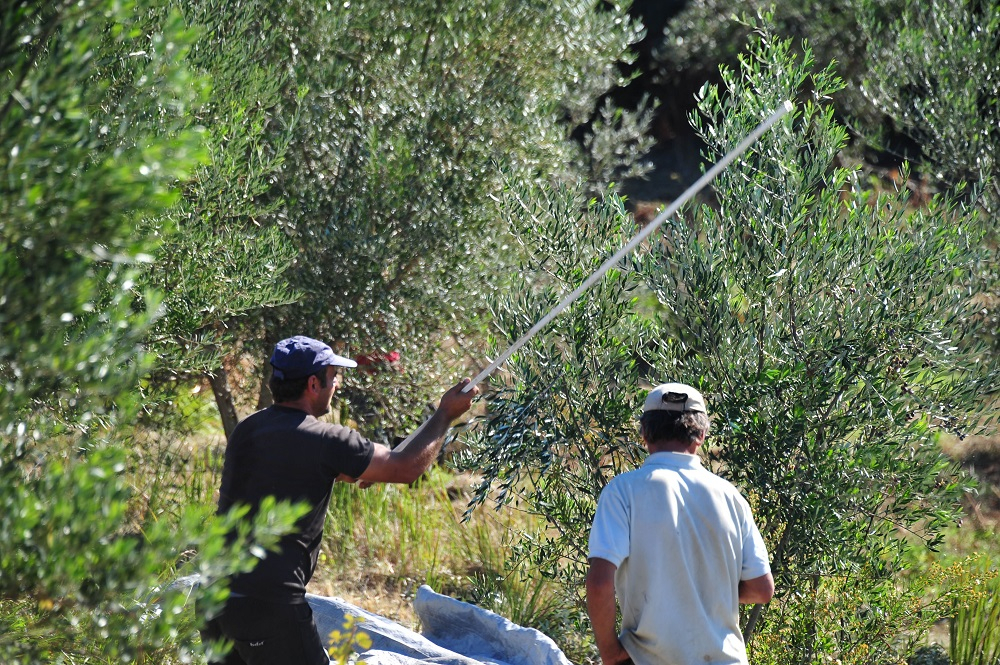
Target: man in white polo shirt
677,545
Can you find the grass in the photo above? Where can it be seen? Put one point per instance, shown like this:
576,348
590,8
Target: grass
963,580
382,543
974,630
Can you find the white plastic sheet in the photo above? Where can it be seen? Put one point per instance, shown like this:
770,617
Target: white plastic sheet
454,633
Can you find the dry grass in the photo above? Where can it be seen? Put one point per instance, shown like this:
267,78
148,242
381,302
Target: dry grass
383,543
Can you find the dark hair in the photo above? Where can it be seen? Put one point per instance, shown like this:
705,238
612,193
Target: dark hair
287,390
683,426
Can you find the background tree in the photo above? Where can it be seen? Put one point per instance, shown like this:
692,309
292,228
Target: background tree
935,71
820,315
708,33
686,42
224,264
388,178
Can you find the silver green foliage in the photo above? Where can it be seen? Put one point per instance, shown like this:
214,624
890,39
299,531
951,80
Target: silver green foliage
413,111
94,133
935,71
823,317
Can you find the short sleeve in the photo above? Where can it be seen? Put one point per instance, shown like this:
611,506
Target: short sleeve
351,453
755,558
609,535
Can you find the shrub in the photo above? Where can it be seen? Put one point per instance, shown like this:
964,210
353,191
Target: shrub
819,316
93,136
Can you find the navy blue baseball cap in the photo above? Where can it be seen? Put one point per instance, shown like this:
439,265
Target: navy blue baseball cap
300,356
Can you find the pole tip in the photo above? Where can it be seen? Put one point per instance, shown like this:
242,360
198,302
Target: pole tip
787,105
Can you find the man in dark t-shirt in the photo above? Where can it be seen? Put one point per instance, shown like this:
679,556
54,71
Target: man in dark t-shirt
284,451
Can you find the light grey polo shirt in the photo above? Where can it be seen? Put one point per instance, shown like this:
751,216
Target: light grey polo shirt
682,538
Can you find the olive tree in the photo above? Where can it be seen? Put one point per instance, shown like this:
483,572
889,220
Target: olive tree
94,132
935,71
821,316
221,261
411,110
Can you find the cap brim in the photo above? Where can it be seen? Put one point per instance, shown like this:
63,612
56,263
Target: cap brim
341,361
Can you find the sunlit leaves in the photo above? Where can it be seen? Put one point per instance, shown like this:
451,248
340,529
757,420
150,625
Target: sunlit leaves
825,322
412,107
95,132
222,256
76,167
935,71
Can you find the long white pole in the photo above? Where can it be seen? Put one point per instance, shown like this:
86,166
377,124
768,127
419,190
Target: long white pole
689,193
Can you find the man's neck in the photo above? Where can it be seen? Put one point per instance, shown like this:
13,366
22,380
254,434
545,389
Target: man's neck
299,404
673,447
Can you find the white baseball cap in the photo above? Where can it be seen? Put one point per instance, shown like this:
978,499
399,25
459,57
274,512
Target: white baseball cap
674,397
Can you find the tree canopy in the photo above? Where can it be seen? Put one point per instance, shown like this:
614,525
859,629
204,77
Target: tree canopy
184,183
824,318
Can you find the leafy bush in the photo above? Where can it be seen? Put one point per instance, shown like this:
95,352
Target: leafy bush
94,132
348,641
820,317
935,70
860,618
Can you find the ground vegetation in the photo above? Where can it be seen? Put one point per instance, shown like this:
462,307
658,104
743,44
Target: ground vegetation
184,183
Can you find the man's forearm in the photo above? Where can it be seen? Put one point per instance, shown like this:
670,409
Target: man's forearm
602,619
603,611
409,461
423,449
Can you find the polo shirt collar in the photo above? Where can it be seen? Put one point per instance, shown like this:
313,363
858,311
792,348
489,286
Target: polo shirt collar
670,460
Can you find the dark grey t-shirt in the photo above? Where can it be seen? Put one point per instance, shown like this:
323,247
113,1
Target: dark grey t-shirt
290,455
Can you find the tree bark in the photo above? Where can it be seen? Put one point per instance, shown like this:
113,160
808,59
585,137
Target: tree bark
264,398
224,400
752,620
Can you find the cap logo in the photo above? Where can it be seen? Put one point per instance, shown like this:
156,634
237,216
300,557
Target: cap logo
674,397
676,401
